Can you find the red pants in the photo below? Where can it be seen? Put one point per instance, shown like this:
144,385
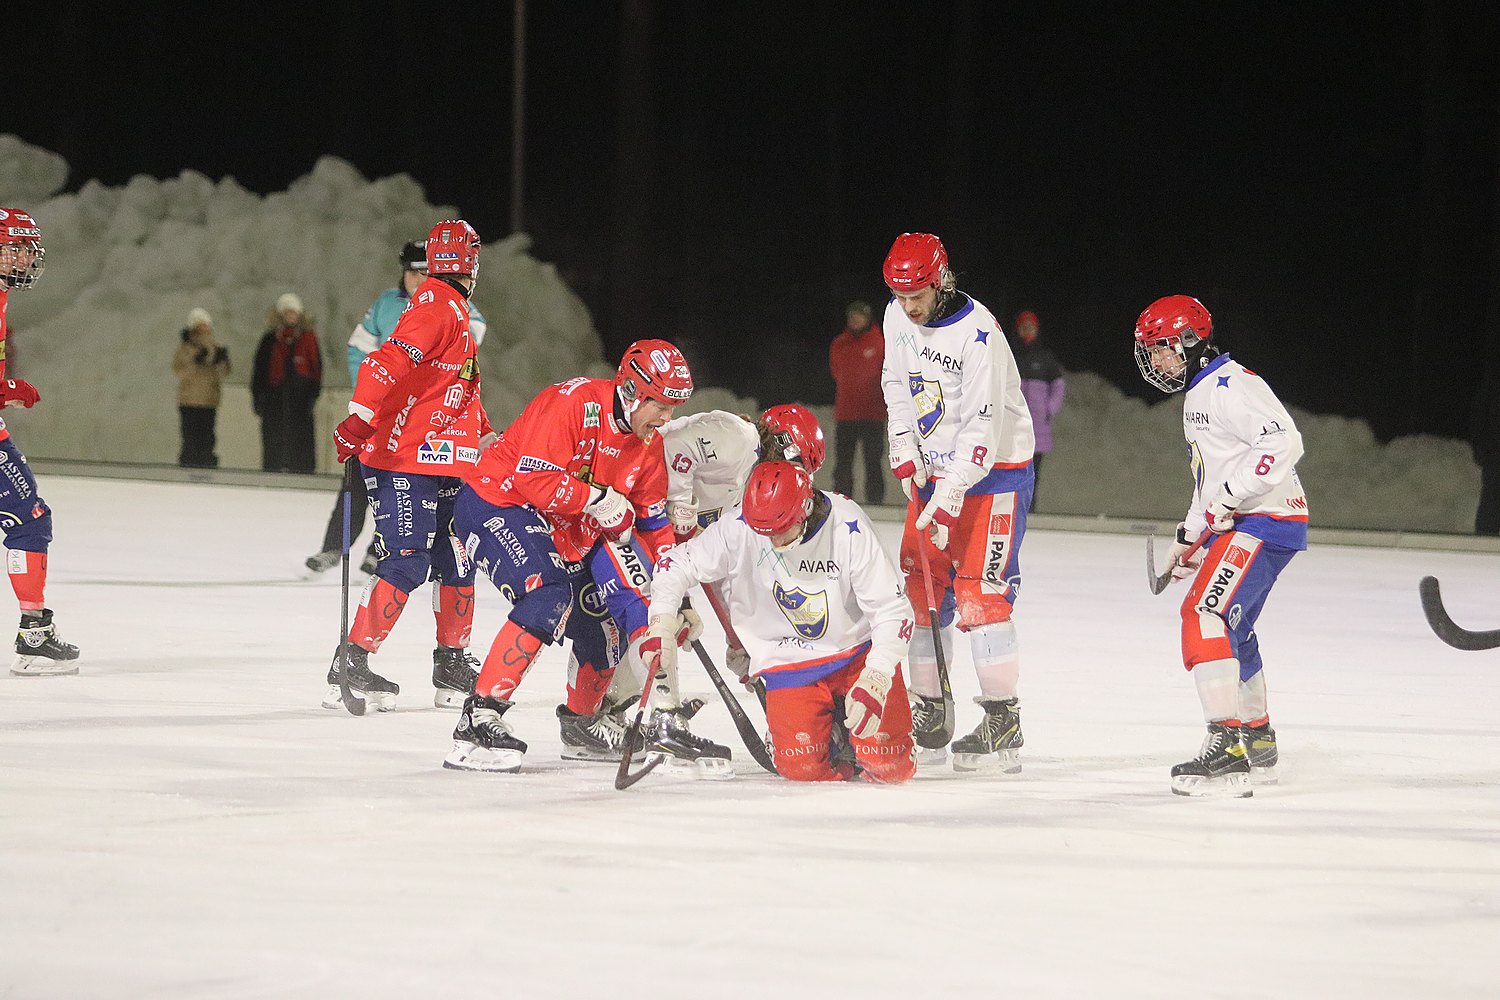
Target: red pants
801,717
980,564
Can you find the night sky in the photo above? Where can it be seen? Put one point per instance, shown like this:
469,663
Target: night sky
729,175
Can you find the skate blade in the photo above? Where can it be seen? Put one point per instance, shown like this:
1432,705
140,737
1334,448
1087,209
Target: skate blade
1264,776
375,701
42,666
701,769
471,757
932,758
1000,762
448,698
1223,786
590,755
334,699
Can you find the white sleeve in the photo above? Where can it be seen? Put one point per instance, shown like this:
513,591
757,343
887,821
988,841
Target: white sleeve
974,446
362,340
882,597
679,484
705,558
1273,444
901,412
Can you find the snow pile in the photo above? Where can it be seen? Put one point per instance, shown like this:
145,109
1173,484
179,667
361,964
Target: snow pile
125,264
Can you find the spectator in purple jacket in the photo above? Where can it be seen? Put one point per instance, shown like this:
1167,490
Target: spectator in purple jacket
1041,383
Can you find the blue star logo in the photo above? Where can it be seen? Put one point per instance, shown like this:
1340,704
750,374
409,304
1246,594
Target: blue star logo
1223,380
853,527
983,336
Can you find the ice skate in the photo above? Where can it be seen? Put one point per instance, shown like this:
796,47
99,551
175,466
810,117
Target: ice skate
1220,769
995,744
687,754
454,672
378,693
482,740
40,652
598,737
1260,750
926,728
321,562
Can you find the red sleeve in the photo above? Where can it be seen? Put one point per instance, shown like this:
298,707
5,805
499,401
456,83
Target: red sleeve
544,437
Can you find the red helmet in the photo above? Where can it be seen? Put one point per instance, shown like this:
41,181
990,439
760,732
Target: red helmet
777,496
916,261
1178,322
19,269
453,248
654,369
796,430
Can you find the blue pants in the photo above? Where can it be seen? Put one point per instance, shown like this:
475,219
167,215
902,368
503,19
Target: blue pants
413,521
553,599
1226,598
24,515
622,574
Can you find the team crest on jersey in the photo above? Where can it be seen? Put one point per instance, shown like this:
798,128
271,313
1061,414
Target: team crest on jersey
435,453
927,394
469,370
808,613
591,414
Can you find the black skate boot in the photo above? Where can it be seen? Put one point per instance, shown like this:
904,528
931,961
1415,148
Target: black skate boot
598,737
995,744
1221,767
927,730
40,652
378,693
1260,750
841,756
322,561
454,672
482,740
668,734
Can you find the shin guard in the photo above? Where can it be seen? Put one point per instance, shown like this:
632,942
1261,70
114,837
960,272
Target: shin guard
453,607
378,613
28,577
510,656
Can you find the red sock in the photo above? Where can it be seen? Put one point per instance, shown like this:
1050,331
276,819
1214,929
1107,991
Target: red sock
454,609
510,657
586,688
377,614
28,577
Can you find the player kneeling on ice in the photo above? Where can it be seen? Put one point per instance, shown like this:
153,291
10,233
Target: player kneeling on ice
822,615
1247,497
961,444
709,457
580,467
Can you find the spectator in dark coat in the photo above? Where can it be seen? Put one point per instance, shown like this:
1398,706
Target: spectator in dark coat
1041,383
1484,436
288,377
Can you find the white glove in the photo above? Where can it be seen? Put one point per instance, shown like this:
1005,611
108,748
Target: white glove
692,627
941,512
1220,512
906,463
865,703
684,517
612,512
1182,569
738,661
659,648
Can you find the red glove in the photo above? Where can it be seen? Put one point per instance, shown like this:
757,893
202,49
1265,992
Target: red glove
350,436
19,392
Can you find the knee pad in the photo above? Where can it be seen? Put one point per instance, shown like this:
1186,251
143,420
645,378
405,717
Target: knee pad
888,770
543,611
809,767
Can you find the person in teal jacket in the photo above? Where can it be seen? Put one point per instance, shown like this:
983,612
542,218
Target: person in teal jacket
372,331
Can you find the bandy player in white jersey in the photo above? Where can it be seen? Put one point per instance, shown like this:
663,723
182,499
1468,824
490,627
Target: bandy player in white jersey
961,444
1243,447
820,609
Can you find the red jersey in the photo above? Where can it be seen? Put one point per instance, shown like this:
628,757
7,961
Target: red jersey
566,441
420,389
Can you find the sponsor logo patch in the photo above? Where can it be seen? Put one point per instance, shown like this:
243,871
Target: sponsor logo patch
435,453
530,463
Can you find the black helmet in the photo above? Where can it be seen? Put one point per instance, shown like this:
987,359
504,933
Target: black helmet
414,256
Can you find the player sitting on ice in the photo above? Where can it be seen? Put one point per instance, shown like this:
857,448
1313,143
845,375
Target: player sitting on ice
961,444
709,456
821,612
581,465
416,424
1244,447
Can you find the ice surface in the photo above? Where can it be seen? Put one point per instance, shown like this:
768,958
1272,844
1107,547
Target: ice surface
182,820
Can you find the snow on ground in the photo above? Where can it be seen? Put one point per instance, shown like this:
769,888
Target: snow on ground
183,820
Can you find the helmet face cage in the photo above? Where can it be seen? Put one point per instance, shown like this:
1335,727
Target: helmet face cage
1177,322
1172,381
22,256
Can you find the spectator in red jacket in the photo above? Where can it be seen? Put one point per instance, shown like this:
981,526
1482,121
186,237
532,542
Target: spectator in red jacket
858,404
288,377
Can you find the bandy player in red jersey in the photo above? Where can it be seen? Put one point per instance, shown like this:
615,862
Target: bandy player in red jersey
417,425
581,467
961,444
24,515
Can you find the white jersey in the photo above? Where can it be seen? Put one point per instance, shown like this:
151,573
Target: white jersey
709,458
955,386
806,611
1240,436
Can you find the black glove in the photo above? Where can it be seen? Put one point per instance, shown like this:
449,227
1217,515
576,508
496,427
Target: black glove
202,356
221,355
